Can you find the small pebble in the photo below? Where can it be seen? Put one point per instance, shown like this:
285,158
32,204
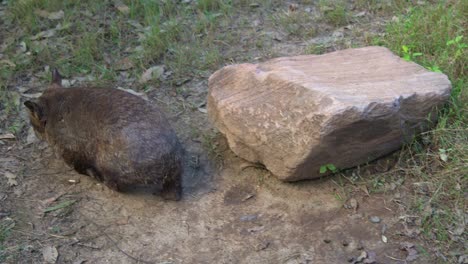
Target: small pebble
327,241
345,243
375,219
384,239
362,256
246,218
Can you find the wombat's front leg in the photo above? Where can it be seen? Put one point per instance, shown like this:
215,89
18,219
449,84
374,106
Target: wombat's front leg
171,189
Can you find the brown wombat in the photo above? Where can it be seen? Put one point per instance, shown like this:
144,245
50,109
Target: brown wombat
111,135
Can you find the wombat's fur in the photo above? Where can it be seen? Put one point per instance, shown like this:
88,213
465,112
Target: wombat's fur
114,136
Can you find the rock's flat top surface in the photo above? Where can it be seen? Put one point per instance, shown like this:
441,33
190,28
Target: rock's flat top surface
294,114
354,76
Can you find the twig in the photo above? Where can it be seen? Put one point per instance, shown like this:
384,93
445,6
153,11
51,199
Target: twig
55,198
88,246
435,193
19,157
257,166
39,234
390,257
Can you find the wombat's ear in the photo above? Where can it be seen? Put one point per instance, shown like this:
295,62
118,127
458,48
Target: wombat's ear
35,110
56,78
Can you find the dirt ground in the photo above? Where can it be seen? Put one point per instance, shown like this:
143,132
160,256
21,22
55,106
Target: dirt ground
238,214
231,211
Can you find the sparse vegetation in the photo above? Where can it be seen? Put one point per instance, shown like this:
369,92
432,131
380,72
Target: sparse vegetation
295,23
5,229
334,12
434,37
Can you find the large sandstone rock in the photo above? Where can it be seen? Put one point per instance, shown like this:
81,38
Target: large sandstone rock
295,114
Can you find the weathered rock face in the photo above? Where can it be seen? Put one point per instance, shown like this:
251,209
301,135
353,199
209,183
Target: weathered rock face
295,114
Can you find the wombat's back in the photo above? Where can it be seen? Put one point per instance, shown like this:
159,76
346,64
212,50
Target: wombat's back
125,138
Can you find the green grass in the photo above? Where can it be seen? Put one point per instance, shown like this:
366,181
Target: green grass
438,33
150,32
334,12
295,23
5,230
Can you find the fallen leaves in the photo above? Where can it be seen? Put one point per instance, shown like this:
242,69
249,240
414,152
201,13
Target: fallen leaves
50,32
123,9
11,179
8,62
7,136
49,15
44,34
50,254
154,72
125,64
411,251
364,258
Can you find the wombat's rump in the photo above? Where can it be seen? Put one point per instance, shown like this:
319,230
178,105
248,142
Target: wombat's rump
110,134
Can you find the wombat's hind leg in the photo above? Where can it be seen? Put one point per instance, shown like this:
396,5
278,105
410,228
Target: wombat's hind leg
113,185
109,178
171,189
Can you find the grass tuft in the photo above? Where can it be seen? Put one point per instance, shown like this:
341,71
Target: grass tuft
435,37
334,12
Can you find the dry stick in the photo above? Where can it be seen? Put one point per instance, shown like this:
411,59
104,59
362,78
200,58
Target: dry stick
138,260
390,257
39,234
56,197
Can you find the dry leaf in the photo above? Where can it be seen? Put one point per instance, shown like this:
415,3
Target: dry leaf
123,9
44,34
384,239
50,15
125,64
363,187
410,249
354,204
11,179
22,46
50,254
142,95
203,110
152,73
8,62
7,136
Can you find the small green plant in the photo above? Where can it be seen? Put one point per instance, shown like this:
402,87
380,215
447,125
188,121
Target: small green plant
315,49
328,168
408,55
434,68
334,12
459,46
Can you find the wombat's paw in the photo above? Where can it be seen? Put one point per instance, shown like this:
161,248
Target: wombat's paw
173,194
113,185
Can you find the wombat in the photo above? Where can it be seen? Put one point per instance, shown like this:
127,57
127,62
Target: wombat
112,135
